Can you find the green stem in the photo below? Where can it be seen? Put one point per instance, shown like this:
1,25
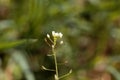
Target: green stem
56,67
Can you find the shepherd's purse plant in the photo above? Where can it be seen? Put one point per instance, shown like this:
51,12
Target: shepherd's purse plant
53,39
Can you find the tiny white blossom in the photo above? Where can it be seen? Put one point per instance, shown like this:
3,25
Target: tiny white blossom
60,34
53,33
48,35
61,42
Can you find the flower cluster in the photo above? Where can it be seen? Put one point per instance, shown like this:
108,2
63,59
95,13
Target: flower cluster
55,36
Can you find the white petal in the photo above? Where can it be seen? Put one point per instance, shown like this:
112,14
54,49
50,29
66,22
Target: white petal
53,33
57,34
60,34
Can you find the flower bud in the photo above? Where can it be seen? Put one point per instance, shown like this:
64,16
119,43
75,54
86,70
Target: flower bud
48,35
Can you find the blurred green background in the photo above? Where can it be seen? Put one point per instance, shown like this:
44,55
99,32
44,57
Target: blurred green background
91,35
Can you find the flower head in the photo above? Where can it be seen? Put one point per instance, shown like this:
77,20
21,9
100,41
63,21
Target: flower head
56,34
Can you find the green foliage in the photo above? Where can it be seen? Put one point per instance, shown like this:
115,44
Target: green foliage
11,44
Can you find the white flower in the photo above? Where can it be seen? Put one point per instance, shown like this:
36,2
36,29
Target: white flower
53,33
57,34
60,34
48,35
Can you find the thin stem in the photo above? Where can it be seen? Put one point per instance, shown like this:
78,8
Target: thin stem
66,74
47,69
47,42
55,59
51,40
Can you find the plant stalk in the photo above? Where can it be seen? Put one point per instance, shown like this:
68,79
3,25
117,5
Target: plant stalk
56,66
